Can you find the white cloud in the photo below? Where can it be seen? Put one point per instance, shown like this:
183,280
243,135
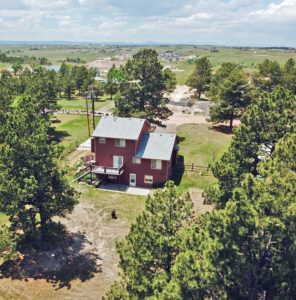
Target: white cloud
204,21
281,12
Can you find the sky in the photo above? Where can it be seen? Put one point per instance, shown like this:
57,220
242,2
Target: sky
202,22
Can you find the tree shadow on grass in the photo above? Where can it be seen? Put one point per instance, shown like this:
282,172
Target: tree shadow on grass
73,258
57,135
178,170
221,128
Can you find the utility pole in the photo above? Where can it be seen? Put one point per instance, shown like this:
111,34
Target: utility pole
87,115
93,109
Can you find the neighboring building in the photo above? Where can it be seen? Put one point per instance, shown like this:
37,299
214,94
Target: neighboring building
127,152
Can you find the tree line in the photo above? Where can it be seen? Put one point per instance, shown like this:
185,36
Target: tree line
232,90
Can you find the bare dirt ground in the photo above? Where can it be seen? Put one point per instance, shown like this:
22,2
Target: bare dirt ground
198,201
182,114
179,117
82,268
181,93
105,64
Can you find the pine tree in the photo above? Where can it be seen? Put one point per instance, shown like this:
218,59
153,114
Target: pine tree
33,189
148,252
247,249
266,121
268,76
289,75
231,97
141,93
200,78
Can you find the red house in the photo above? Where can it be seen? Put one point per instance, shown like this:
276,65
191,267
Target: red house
127,152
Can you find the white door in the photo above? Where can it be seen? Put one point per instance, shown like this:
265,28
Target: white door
133,179
117,161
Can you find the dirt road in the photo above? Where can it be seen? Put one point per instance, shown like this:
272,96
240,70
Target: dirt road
181,93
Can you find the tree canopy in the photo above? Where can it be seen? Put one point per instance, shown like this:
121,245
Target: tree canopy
33,189
230,92
141,93
200,78
265,122
148,252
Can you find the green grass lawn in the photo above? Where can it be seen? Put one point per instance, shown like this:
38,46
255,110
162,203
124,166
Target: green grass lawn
73,130
200,145
3,219
127,206
78,103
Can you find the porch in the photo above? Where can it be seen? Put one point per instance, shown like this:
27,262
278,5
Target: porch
126,189
107,170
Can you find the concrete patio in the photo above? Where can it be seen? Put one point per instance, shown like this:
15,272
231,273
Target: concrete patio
125,189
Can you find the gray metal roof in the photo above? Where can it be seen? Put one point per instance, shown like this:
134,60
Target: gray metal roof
119,128
156,146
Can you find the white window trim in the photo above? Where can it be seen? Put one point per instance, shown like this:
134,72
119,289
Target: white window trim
120,141
156,167
148,181
102,140
122,161
136,160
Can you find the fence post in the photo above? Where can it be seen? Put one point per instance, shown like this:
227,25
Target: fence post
192,166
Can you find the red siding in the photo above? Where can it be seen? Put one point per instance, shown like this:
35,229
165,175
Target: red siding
104,157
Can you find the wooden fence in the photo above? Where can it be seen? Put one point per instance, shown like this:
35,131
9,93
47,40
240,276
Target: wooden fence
203,170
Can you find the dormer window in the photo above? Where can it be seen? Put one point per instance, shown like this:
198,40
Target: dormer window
102,140
120,143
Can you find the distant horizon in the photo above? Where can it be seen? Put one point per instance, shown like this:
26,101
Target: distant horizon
230,23
124,43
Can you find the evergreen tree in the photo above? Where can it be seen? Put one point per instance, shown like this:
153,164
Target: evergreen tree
170,80
266,121
148,252
68,84
268,76
289,75
141,93
114,77
41,88
246,250
200,78
231,98
222,73
33,189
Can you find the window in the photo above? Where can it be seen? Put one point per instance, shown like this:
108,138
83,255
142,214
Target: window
102,140
112,177
156,164
117,161
148,179
136,160
120,143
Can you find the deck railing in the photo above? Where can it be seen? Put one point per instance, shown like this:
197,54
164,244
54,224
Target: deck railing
107,170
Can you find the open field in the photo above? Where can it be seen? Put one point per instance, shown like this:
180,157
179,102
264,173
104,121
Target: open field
249,58
78,103
200,144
